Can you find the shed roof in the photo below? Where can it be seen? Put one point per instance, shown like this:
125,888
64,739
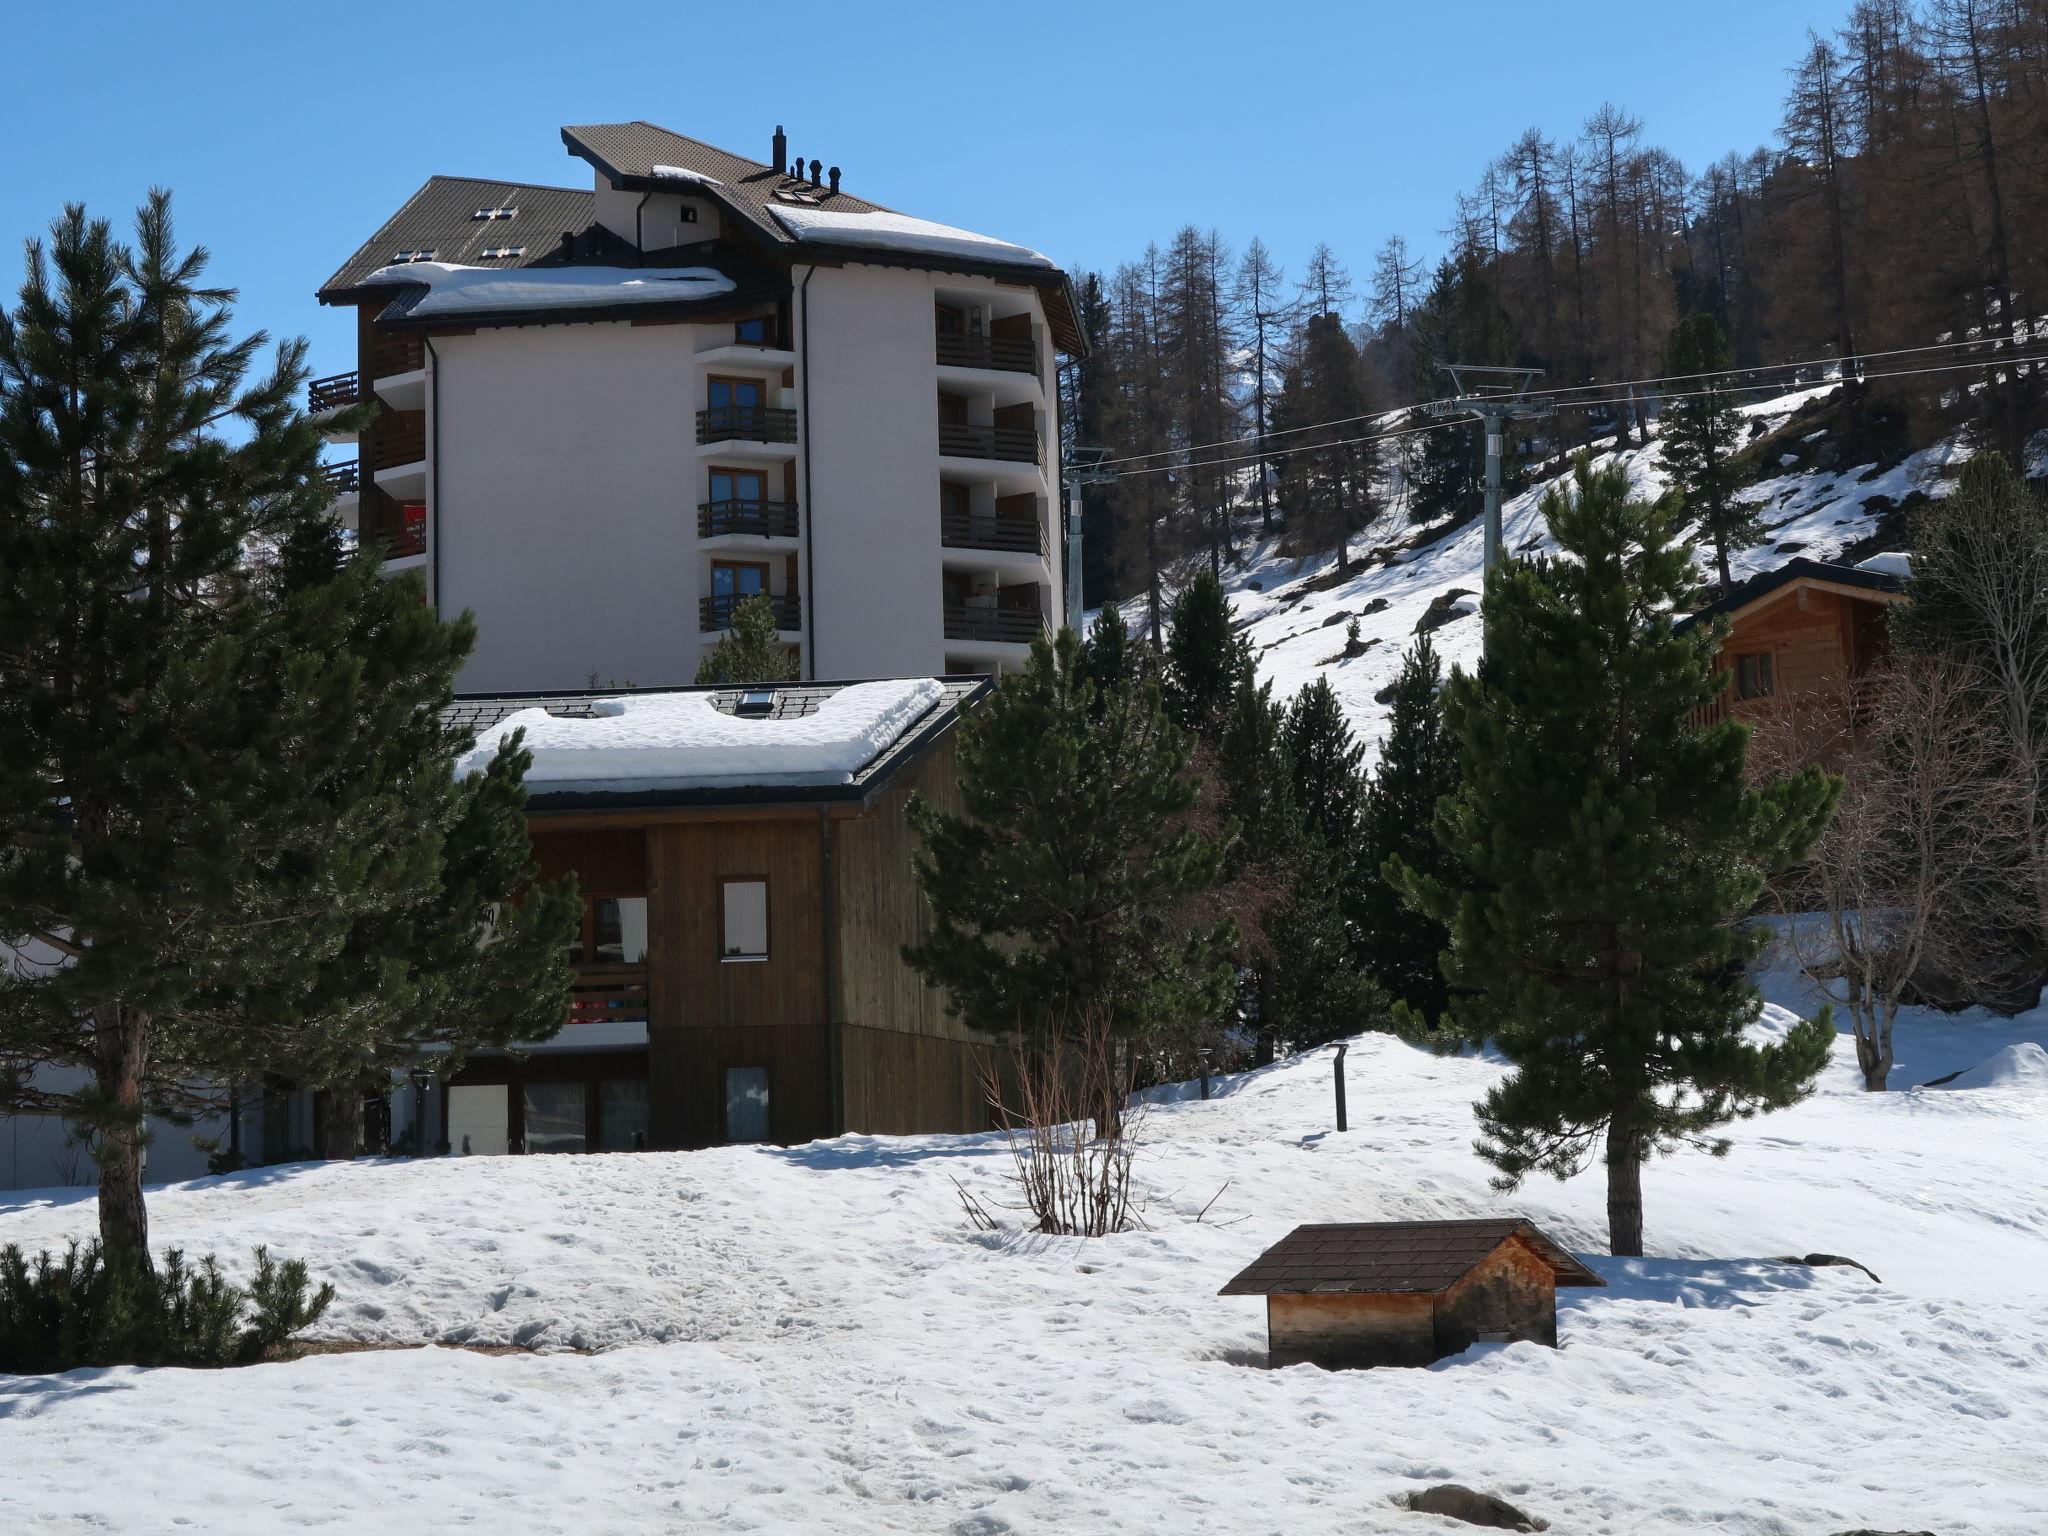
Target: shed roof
1375,1257
1872,585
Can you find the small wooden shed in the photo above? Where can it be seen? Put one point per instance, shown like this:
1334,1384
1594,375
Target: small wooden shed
1350,1294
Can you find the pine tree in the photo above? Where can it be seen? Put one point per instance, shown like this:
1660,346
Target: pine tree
1065,891
1702,430
1324,756
183,699
1607,855
1418,766
1328,463
1204,657
750,651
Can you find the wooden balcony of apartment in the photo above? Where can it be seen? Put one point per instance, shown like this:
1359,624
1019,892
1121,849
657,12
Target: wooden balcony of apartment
1007,354
1003,626
746,424
400,438
393,530
1017,445
344,477
1010,534
336,392
608,994
396,352
715,613
746,518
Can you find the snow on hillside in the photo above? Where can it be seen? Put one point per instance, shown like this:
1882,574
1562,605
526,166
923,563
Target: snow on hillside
1297,632
811,1338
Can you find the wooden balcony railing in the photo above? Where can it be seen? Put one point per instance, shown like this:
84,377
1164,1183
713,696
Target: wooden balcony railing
334,392
1017,444
394,352
746,423
1010,626
608,993
394,530
754,519
400,437
344,478
963,530
715,613
1011,354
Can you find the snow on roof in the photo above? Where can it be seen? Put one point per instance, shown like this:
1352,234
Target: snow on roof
901,232
453,289
673,741
1890,562
684,173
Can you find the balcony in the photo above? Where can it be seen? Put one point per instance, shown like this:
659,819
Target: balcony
1000,626
336,392
746,424
344,479
1007,354
608,994
744,518
1014,535
715,613
394,532
396,352
1016,445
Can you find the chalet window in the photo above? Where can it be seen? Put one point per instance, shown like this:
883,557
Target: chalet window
1753,679
622,1116
746,394
754,330
738,578
746,1103
743,929
614,932
744,485
556,1117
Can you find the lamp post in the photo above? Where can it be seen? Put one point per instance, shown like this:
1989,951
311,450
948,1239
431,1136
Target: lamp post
1343,1124
1202,1054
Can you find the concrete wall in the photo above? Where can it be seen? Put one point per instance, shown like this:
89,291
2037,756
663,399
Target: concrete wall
563,502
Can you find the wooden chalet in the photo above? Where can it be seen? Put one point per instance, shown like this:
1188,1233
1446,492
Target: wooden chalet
1357,1294
1804,632
739,970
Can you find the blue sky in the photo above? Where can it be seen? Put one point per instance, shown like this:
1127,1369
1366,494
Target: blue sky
290,131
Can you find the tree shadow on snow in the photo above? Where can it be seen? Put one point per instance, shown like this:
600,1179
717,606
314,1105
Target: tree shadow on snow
26,1396
843,1152
1687,1282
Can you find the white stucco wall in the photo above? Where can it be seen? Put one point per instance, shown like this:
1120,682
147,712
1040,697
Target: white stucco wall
563,503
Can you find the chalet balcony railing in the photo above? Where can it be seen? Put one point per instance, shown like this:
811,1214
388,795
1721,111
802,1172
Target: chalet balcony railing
748,517
395,352
344,478
1009,626
1016,444
715,613
746,423
400,437
1011,354
333,393
963,530
395,537
608,994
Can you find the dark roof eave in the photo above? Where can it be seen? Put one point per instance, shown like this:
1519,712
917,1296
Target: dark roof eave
500,319
1800,567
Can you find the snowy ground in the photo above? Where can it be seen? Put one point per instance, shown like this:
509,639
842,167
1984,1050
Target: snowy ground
1298,633
811,1339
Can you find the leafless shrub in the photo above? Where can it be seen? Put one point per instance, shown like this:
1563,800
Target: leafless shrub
1917,866
1064,1113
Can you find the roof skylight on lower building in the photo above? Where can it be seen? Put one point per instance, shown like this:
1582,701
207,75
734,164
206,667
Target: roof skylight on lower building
484,214
503,252
420,253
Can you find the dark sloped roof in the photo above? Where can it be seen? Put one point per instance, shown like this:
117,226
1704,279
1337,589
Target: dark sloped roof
441,217
1374,1257
477,713
1743,593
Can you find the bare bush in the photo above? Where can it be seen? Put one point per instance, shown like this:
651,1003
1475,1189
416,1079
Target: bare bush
1063,1108
1916,871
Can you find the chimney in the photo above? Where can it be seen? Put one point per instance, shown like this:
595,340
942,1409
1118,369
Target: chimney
833,174
817,170
781,151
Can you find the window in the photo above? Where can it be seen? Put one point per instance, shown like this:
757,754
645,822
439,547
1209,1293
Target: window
754,330
1753,678
555,1116
614,932
748,394
622,1116
418,253
746,1103
745,485
492,215
503,252
735,578
743,932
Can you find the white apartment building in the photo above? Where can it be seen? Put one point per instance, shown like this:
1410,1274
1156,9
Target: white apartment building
609,415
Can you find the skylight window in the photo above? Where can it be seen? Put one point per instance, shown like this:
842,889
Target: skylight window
503,252
795,197
483,215
422,253
755,704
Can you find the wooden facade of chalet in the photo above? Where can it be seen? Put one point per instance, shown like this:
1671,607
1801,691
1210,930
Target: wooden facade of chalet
1800,635
740,974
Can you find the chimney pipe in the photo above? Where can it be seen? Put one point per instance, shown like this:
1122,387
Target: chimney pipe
817,170
834,175
781,159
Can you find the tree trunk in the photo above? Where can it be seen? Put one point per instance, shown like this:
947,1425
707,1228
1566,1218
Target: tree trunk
339,1129
1624,1194
124,1221
1874,1057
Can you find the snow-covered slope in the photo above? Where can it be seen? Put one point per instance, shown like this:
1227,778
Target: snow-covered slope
1297,632
811,1339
